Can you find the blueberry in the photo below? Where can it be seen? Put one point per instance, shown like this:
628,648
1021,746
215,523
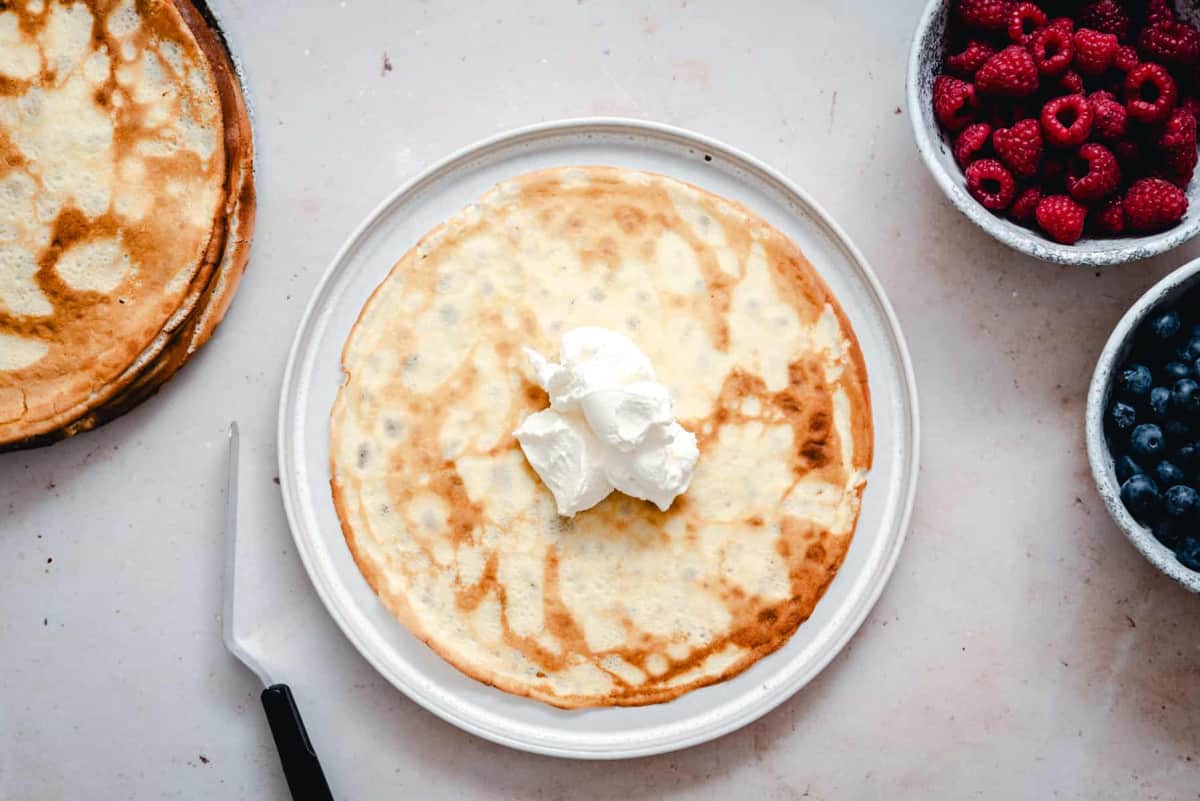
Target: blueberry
1167,531
1140,495
1175,371
1185,398
1188,456
1126,468
1169,474
1190,351
1160,400
1165,327
1121,417
1134,382
1147,441
1188,553
1181,501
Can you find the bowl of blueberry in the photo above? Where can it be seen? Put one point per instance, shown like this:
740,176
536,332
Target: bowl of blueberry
1066,129
1143,425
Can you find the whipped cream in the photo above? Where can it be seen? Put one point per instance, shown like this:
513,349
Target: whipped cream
610,425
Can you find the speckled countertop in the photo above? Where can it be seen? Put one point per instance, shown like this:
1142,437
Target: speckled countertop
1023,649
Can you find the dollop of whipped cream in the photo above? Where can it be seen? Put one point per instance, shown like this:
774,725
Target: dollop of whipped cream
610,425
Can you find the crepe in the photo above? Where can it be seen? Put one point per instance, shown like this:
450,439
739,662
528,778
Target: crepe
126,205
624,604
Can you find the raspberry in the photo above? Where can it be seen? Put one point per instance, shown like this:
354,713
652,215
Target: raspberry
1069,83
1094,174
1052,50
954,102
1150,93
983,15
1159,11
1011,73
1106,16
1179,134
1110,119
991,184
1094,51
1110,218
1174,43
1025,206
1177,147
1067,121
1023,22
1152,204
968,62
1064,24
971,143
1073,123
1020,147
1061,218
1126,58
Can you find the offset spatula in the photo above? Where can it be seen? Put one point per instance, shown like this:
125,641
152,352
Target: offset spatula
305,778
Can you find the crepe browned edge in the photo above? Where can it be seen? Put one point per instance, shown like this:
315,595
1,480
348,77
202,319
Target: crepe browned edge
824,557
225,259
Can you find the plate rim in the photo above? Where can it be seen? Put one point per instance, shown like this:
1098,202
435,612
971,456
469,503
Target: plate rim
861,605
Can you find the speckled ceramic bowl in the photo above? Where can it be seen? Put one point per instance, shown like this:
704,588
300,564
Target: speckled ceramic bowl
1164,293
924,65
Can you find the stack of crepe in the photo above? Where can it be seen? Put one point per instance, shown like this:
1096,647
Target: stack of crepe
126,205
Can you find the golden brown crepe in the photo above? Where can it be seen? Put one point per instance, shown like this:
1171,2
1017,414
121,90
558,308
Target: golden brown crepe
126,205
624,604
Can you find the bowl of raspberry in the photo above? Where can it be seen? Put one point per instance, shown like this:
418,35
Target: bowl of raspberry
1066,129
1143,425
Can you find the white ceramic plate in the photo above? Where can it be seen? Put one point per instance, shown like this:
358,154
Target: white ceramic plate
314,375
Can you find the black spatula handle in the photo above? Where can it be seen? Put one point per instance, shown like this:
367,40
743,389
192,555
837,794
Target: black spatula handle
301,767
